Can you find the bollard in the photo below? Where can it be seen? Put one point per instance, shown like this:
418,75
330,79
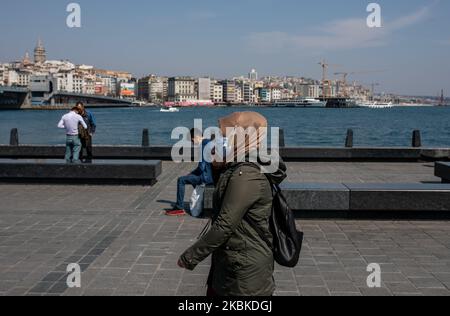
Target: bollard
349,139
145,138
282,142
417,139
14,138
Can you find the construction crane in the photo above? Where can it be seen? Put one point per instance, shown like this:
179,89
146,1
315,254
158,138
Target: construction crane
344,80
325,82
345,77
324,66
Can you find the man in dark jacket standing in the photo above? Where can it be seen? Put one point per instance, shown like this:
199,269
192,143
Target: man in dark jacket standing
87,135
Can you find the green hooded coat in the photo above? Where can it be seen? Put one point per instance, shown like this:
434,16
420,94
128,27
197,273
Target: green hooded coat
242,263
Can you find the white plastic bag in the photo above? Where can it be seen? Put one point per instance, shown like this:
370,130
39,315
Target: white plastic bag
196,204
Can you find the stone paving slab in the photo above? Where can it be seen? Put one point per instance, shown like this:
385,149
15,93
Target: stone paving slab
126,246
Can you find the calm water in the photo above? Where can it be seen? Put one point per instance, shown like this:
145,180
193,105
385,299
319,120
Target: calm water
303,127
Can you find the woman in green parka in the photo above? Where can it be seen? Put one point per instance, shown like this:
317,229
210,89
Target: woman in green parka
242,262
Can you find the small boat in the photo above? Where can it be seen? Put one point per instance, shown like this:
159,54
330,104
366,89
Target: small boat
139,103
170,110
376,105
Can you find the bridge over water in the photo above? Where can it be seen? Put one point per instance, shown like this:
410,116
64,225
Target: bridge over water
14,97
24,98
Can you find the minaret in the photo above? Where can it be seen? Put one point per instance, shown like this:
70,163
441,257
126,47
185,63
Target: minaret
26,60
39,53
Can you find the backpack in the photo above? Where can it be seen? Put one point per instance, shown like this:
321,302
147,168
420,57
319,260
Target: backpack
82,132
287,240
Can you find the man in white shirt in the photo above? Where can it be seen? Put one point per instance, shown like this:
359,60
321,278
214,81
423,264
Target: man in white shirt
70,123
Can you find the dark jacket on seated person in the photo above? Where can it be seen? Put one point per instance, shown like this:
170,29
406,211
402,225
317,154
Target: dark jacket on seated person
204,169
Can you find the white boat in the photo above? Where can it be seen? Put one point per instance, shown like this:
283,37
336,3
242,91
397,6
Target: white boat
139,103
376,105
170,110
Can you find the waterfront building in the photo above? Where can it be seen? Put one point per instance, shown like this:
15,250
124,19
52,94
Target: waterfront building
54,67
144,88
287,94
64,82
181,89
216,92
153,89
265,95
16,77
40,54
229,91
276,94
120,75
204,89
156,92
78,83
2,76
165,89
109,84
239,97
11,77
307,90
88,85
246,92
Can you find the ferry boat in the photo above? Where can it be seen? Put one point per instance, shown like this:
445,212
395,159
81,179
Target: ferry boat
305,102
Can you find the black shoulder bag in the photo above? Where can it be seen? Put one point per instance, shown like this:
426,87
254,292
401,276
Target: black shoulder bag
287,240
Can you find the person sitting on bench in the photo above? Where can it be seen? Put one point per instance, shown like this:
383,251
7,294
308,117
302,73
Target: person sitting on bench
200,176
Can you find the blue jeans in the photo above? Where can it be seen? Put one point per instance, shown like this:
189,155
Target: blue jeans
191,179
73,149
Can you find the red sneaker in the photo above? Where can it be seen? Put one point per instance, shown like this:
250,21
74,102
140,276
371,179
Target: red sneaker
176,213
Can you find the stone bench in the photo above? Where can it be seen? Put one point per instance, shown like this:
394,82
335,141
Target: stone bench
399,197
306,196
344,198
442,170
99,172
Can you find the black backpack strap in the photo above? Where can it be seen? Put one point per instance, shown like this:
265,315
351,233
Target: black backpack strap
258,229
251,222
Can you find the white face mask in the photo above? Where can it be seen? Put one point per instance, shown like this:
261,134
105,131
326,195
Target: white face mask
221,148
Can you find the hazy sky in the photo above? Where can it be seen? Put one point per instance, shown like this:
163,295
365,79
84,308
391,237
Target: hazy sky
229,37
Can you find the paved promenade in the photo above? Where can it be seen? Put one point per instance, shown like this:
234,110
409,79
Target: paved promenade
126,246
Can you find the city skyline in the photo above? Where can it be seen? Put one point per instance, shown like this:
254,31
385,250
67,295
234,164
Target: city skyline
201,38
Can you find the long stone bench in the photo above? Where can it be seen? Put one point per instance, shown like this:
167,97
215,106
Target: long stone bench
442,170
343,197
99,172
